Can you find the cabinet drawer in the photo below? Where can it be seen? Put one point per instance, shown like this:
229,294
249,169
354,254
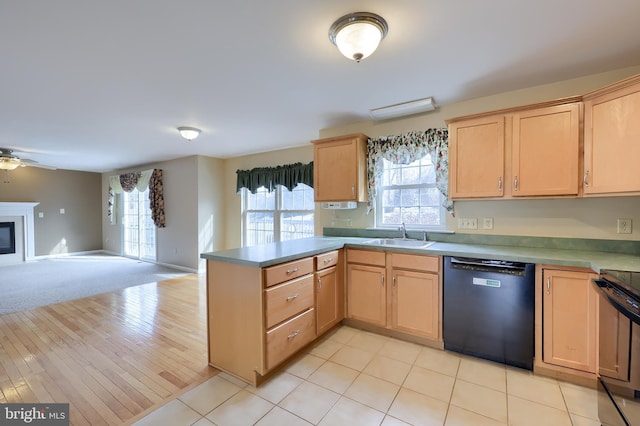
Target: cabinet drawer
287,338
415,262
285,300
366,256
326,260
287,271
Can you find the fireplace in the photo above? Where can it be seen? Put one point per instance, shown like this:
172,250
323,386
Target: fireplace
7,237
21,215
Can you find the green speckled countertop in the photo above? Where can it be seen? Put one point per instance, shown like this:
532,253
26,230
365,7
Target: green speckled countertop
596,255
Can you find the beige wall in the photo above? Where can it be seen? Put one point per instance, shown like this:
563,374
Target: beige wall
78,193
178,244
577,218
211,212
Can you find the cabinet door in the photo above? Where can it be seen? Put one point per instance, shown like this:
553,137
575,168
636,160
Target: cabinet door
339,169
546,151
366,300
615,339
611,148
415,303
476,158
569,306
329,309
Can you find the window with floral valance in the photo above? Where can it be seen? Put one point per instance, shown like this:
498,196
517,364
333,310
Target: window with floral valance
288,175
405,149
127,182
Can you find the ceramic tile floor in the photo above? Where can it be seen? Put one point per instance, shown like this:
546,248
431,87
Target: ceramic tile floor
352,377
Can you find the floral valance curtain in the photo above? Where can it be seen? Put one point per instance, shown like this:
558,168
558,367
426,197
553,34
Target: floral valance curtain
127,182
288,175
405,149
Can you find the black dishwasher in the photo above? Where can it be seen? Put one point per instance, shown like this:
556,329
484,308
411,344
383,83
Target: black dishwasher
488,309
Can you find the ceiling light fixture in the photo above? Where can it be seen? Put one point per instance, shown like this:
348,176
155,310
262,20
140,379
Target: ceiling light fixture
358,35
9,163
400,110
189,133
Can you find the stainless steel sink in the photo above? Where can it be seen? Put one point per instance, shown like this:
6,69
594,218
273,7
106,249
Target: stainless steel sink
399,242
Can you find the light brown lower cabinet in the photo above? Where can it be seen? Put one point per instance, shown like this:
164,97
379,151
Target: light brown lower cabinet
569,319
395,291
366,294
259,317
329,290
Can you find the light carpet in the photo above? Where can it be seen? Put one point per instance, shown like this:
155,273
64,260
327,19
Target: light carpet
53,280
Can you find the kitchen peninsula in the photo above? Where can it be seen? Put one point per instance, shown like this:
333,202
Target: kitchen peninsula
266,303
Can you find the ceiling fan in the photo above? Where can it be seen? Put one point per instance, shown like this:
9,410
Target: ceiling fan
10,161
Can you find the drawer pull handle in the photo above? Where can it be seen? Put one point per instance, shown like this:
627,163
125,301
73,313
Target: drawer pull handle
548,285
515,183
290,298
499,183
293,335
291,271
586,178
394,281
329,260
319,283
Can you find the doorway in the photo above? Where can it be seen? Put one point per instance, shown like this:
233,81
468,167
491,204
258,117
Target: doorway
139,231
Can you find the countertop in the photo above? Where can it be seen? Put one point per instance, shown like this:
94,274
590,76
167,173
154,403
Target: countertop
272,254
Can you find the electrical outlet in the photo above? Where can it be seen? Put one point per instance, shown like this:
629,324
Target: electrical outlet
624,226
487,223
468,223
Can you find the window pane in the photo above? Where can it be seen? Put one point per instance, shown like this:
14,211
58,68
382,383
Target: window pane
261,200
301,198
408,194
296,225
259,228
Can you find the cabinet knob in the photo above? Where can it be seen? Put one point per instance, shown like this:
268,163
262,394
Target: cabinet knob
290,298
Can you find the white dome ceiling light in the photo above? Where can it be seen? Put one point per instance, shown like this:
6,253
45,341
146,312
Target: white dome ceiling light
358,35
189,133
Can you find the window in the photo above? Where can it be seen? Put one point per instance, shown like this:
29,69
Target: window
407,193
279,215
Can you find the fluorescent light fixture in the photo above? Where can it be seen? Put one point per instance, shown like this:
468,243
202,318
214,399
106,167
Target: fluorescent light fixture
189,133
400,110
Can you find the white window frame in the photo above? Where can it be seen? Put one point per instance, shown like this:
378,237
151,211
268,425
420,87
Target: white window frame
277,212
379,209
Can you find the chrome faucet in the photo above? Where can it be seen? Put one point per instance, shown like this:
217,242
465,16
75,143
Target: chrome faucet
403,229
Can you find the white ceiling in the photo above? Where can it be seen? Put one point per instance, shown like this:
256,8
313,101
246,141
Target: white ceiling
102,85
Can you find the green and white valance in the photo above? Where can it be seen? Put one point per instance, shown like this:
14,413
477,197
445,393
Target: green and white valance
405,149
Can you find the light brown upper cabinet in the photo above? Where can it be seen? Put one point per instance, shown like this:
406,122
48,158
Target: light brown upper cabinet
476,158
546,151
612,139
531,151
340,169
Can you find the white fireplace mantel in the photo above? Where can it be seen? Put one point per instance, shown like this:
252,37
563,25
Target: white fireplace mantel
24,210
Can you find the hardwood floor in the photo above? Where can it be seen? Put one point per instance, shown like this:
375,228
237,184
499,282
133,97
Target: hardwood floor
113,356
